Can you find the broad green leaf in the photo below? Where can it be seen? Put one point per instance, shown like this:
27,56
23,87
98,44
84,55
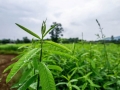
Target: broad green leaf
55,67
23,78
48,30
8,68
17,57
35,64
21,62
46,78
58,45
28,82
29,31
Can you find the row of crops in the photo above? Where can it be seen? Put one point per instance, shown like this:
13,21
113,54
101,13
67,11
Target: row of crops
87,67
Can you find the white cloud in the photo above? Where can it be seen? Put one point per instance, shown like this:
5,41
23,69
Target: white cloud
76,16
30,19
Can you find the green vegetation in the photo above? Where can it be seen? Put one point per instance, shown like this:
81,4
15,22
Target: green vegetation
10,48
47,65
56,32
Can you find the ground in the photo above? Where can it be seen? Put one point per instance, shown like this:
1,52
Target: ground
5,60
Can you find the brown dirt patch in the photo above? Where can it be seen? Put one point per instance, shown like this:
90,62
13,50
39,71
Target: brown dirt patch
5,60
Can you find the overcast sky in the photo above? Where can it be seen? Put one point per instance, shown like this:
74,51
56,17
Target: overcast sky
76,16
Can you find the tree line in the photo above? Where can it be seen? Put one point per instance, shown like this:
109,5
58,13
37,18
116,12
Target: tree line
56,36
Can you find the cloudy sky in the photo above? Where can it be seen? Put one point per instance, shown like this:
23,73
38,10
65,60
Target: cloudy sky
76,16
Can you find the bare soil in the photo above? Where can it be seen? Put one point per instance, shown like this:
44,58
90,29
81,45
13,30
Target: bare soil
5,60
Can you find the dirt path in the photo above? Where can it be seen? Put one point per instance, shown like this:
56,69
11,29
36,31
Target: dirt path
5,60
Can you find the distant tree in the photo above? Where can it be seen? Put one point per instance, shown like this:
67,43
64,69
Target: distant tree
56,32
112,38
73,40
5,41
19,41
26,40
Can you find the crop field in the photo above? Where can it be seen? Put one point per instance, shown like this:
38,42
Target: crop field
47,65
78,66
10,48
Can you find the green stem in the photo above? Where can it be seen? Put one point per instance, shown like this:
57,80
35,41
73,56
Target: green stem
38,82
41,49
41,45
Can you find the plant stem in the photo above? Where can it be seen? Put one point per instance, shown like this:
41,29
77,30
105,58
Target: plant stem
41,50
41,45
106,55
38,82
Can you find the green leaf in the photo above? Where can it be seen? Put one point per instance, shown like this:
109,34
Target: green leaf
87,75
85,54
21,62
92,84
84,86
55,67
61,83
48,30
64,54
46,78
73,80
43,28
35,64
108,83
118,82
17,57
76,87
23,46
23,78
9,67
28,82
93,64
29,31
58,45
33,86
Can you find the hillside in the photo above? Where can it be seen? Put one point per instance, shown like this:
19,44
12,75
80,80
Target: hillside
115,38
